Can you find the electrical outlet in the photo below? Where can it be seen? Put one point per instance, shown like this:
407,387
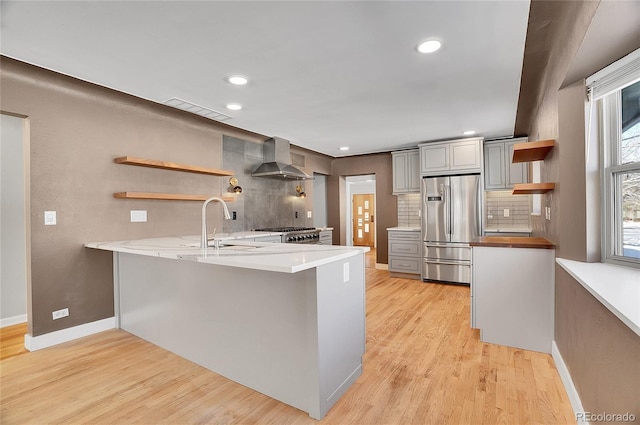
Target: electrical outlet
59,314
296,214
138,216
235,216
506,212
547,213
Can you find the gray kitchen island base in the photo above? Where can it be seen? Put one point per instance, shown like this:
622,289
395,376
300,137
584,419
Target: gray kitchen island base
296,337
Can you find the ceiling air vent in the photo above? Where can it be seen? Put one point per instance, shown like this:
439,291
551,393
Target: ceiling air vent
197,109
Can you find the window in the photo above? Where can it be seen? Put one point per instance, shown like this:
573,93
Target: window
619,131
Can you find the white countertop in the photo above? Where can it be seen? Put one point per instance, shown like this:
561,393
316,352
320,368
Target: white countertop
276,257
616,287
404,229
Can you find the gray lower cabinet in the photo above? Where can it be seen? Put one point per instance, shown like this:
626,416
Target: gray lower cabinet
499,170
405,254
326,237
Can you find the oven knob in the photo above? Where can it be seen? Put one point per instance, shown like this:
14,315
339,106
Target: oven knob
289,239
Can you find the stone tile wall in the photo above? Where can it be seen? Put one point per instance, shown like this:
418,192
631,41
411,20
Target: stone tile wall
263,202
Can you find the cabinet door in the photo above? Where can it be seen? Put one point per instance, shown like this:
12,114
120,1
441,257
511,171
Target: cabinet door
400,172
516,172
494,166
434,158
413,176
466,156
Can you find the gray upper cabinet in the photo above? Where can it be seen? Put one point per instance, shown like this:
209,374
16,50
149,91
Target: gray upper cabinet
499,171
406,171
451,157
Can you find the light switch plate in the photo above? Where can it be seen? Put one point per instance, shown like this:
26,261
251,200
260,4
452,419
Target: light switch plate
308,214
506,212
138,216
345,272
50,218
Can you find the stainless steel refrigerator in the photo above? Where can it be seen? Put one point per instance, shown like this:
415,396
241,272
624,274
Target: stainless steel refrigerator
450,219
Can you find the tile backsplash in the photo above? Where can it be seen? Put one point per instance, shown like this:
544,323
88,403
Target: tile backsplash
263,202
409,210
517,207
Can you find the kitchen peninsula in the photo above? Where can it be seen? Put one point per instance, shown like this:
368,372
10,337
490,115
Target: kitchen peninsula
286,320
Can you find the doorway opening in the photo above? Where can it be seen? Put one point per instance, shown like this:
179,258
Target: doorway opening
361,210
15,221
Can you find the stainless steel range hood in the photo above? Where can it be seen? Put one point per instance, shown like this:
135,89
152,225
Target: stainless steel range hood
277,162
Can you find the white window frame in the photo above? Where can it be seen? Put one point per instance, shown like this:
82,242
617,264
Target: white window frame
605,88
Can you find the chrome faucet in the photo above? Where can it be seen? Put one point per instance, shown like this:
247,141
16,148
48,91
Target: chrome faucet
227,216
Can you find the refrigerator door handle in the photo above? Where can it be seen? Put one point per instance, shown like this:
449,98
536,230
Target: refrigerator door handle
451,211
449,262
447,210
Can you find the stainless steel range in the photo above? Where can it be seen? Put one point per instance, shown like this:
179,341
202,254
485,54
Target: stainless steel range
309,235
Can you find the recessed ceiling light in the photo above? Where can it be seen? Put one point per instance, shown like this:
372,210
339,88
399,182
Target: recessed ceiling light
344,148
238,80
469,133
234,106
429,46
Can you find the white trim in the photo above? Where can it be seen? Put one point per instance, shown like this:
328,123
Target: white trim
616,76
10,321
616,287
382,266
33,343
565,377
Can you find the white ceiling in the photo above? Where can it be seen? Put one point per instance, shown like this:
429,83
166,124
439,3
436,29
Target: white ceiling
322,74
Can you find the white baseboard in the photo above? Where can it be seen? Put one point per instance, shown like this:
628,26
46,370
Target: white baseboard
33,343
381,266
10,321
574,397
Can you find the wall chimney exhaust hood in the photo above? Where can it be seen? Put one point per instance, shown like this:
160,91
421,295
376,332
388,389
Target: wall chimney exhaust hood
277,162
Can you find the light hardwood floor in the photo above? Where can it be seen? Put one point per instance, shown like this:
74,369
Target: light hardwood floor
423,365
12,341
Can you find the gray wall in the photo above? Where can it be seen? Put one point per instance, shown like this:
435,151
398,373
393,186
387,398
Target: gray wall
13,261
600,352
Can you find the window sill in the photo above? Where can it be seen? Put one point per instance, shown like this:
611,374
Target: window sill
616,287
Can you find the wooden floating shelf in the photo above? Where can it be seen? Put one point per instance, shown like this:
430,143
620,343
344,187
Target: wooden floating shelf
165,165
532,188
532,151
167,196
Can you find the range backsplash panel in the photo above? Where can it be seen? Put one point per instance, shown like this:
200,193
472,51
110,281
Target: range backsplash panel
263,202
